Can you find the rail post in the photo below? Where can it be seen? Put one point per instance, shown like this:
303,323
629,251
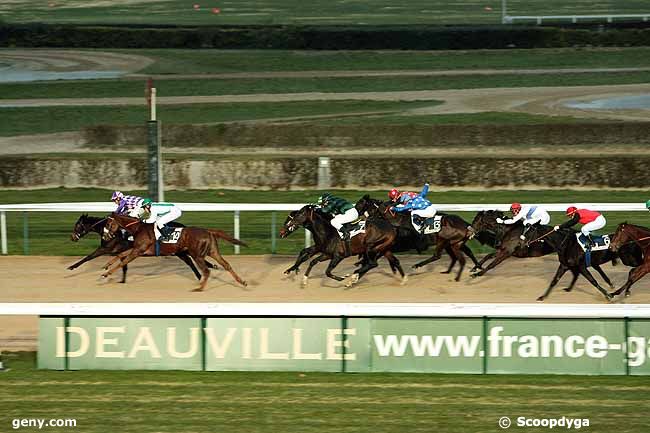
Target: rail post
25,234
3,231
236,230
273,224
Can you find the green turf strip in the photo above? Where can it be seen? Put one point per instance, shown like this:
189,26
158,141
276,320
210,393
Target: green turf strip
175,401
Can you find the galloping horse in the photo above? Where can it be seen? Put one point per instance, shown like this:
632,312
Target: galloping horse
505,239
118,244
193,241
627,235
407,237
572,257
377,240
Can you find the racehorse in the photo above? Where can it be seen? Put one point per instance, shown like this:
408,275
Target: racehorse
572,257
377,240
505,239
407,237
627,235
194,241
87,224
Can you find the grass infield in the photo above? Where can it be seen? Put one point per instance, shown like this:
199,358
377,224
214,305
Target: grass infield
178,401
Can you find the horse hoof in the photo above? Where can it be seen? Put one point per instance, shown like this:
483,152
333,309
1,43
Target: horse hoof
198,289
105,275
71,268
244,283
627,294
540,299
347,275
414,267
567,289
304,281
404,280
353,279
445,272
476,275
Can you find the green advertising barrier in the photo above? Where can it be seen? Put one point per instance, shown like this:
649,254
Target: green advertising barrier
348,344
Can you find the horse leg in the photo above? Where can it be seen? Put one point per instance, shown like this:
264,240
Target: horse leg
119,256
125,268
336,259
188,261
368,265
501,255
132,255
395,264
100,251
483,260
561,270
573,280
585,272
313,263
603,275
461,258
468,252
303,256
205,272
436,255
224,264
454,259
634,275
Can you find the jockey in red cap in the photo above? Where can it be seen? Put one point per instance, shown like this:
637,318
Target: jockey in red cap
590,219
404,197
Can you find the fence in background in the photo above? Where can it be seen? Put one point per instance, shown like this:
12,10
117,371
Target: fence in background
238,208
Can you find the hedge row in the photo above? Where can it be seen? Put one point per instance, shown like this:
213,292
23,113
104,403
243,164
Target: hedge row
346,172
321,38
294,136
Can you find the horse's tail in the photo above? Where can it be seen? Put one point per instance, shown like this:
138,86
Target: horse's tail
225,236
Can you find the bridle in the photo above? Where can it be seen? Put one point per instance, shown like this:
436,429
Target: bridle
636,241
86,230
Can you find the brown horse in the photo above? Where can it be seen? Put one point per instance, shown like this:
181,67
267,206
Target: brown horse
197,242
377,241
627,234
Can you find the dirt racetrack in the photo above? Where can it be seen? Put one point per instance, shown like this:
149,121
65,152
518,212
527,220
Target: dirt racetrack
46,279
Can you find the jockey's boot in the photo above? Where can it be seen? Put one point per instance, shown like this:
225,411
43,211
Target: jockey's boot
165,231
590,241
156,232
345,233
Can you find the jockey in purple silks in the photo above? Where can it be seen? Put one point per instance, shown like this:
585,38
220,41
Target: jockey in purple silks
126,204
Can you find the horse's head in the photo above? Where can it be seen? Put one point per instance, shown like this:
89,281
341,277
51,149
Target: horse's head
297,219
621,236
486,220
367,204
80,228
110,228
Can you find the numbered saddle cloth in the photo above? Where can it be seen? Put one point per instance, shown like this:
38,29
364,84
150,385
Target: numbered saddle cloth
601,242
433,225
356,227
173,236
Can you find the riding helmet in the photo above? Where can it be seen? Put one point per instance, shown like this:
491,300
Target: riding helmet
146,201
117,195
571,210
393,194
515,207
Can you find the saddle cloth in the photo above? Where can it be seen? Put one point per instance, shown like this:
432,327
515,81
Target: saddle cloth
433,225
356,227
602,242
173,236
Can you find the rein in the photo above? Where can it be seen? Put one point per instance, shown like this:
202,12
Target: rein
542,237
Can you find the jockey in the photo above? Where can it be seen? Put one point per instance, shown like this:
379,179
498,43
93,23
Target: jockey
342,210
590,219
419,206
530,215
647,205
126,204
403,197
160,214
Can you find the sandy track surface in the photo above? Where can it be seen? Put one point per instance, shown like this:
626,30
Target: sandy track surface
46,279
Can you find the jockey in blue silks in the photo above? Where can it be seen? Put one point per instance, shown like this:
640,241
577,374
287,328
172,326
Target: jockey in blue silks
419,206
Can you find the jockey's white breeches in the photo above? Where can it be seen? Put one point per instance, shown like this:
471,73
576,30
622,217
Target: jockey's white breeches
596,224
349,216
173,213
543,219
427,212
135,212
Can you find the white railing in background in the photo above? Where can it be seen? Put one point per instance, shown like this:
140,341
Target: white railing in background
265,309
510,19
237,208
